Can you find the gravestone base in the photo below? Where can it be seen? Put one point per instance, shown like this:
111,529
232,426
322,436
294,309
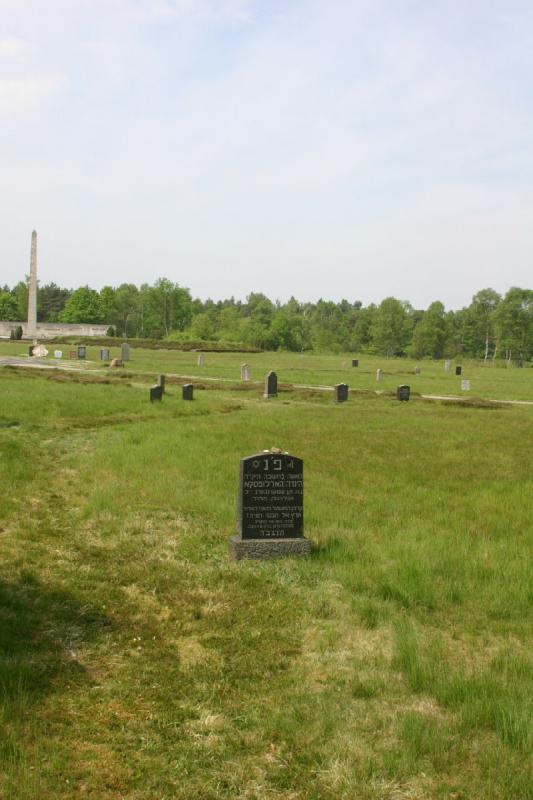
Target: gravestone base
263,549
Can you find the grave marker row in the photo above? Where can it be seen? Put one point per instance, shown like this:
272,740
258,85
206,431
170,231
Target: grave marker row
158,389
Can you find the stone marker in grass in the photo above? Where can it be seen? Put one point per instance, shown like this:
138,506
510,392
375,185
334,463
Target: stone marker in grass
245,372
58,354
270,520
379,375
161,381
125,351
72,354
465,386
355,362
458,370
447,365
156,393
417,370
403,392
201,360
340,393
187,391
104,354
82,351
271,385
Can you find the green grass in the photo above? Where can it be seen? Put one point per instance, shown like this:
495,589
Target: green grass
137,661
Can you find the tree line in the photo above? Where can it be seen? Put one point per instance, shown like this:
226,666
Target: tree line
492,326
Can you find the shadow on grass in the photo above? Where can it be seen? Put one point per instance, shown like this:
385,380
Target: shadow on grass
334,550
40,631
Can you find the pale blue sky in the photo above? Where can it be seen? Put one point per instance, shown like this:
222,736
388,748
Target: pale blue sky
322,149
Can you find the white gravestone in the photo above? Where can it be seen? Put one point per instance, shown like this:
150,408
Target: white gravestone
58,354
201,360
447,366
379,375
465,386
245,372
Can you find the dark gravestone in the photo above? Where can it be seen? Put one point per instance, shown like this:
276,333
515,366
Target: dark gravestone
271,385
403,392
355,362
187,391
30,350
340,393
125,351
156,393
458,370
270,507
104,354
82,351
161,381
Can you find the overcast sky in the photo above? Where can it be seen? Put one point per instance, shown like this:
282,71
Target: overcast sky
318,149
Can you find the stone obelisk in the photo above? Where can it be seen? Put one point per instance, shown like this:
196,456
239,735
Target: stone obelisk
31,328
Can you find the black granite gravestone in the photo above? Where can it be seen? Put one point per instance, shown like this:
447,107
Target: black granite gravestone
156,393
270,507
271,385
355,362
340,393
30,350
161,381
403,392
458,370
82,351
187,391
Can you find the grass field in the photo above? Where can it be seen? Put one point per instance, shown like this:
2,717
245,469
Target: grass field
499,382
137,661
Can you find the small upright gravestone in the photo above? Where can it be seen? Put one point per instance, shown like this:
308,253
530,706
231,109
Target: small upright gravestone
355,362
187,391
124,351
58,354
245,372
201,360
447,365
271,385
340,393
161,381
417,370
403,392
72,354
465,386
82,351
458,370
30,350
270,507
104,354
379,375
156,393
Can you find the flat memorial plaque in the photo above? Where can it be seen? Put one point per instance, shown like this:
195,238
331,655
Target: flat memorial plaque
271,497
